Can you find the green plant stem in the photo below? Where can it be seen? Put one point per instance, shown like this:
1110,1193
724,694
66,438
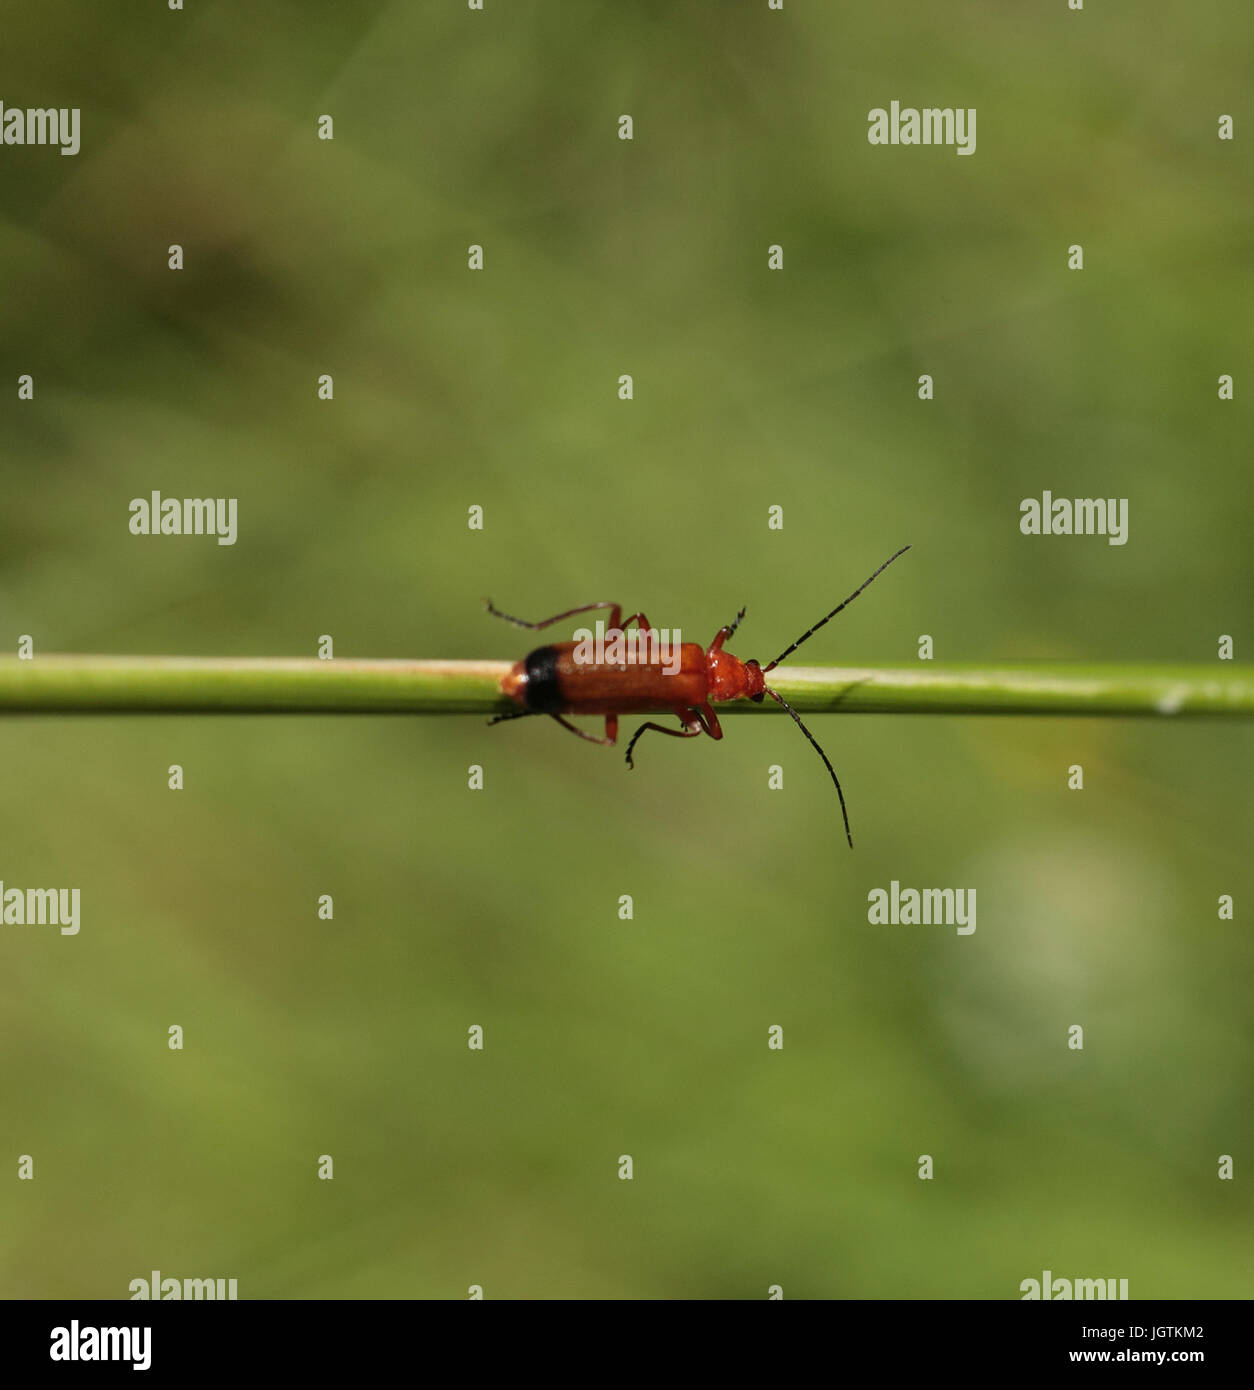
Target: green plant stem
152,685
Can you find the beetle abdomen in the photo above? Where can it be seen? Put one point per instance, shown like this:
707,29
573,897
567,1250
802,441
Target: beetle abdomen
543,691
558,684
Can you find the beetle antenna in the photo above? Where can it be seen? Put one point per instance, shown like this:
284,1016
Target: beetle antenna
789,650
826,760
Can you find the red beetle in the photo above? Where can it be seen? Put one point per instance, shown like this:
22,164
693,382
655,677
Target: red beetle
560,679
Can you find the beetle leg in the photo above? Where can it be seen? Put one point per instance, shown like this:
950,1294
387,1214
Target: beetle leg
710,720
513,714
725,632
611,725
611,734
616,610
690,719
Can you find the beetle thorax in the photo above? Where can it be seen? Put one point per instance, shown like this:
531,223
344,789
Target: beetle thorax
729,678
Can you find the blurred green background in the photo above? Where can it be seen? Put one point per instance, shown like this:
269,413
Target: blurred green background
499,907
